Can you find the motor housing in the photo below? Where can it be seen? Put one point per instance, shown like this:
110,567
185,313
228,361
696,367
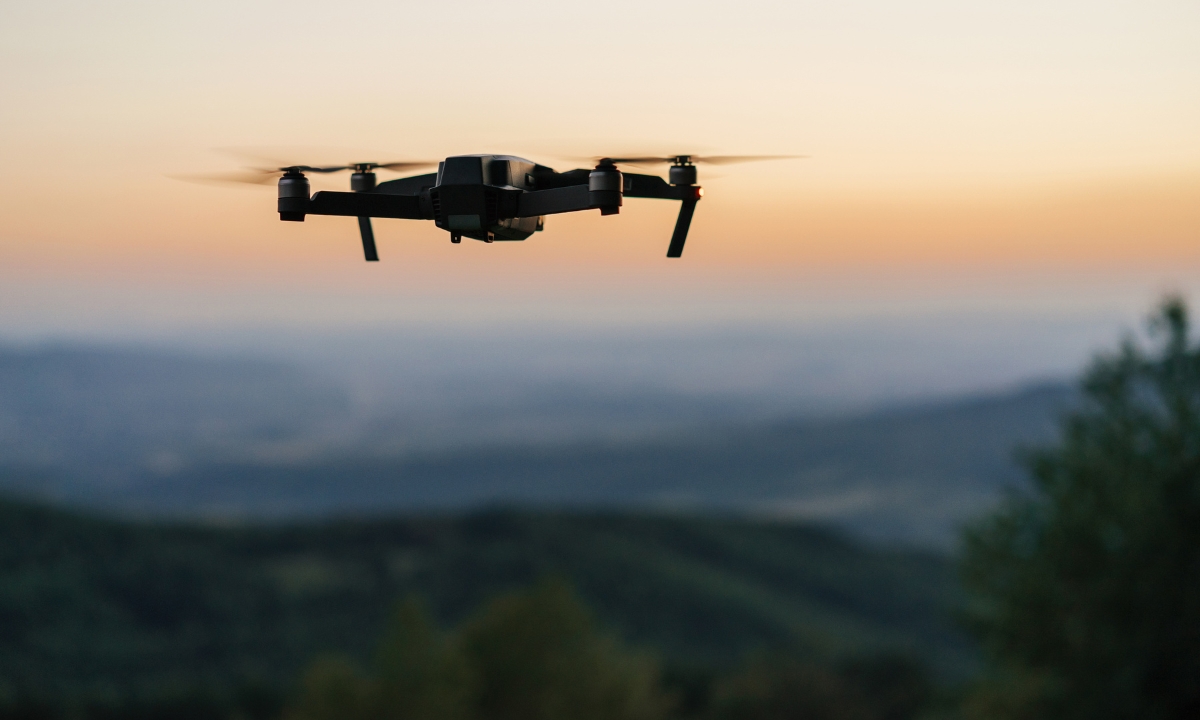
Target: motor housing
605,184
682,175
293,196
362,181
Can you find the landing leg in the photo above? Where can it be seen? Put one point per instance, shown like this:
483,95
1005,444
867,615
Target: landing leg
682,223
368,238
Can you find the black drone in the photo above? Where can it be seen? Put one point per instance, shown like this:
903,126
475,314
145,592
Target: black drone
491,197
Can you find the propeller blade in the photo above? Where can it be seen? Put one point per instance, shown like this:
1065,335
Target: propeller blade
277,156
639,160
694,159
407,165
268,175
252,177
734,159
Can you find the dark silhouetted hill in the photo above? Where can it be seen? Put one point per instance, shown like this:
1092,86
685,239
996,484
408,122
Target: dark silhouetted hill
90,606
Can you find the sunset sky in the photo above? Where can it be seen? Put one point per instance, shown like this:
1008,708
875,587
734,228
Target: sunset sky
1025,157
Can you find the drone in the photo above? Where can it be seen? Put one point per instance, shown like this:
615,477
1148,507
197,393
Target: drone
490,197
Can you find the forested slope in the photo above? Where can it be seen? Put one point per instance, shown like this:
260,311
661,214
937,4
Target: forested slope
93,607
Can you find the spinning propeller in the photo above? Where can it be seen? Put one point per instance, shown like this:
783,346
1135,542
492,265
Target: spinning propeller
267,175
363,180
694,159
683,167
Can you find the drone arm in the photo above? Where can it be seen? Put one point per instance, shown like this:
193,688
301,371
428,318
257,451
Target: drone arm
407,186
533,203
652,186
647,186
358,204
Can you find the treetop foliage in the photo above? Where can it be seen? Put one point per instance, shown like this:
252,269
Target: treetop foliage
539,655
1085,589
534,655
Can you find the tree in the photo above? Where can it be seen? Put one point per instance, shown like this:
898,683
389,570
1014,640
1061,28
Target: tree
534,655
331,689
782,687
538,656
418,675
1085,589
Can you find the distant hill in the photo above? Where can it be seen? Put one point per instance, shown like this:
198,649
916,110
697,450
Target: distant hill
96,414
172,435
912,475
90,606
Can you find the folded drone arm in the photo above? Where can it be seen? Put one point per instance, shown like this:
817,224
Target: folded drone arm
364,206
367,205
571,198
577,197
652,186
407,186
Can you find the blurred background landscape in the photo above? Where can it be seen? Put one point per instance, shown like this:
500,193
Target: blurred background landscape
230,449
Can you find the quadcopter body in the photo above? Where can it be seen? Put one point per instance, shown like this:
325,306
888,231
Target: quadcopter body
488,197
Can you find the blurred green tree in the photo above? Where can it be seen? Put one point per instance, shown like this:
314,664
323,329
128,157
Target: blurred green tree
538,656
419,675
782,687
785,688
534,655
332,689
1085,590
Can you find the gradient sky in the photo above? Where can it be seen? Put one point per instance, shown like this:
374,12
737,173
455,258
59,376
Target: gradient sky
1037,156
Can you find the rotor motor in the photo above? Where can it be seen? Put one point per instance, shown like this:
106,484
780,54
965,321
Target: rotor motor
605,184
363,180
293,195
683,172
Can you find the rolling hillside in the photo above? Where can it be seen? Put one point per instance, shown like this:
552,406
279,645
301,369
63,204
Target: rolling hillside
90,606
159,435
911,475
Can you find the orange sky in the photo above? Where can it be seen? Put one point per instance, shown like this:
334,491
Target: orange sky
946,140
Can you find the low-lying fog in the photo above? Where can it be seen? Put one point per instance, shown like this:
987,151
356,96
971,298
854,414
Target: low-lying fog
897,429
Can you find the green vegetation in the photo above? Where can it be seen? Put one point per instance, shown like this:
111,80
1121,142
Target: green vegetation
1086,591
100,615
527,656
537,655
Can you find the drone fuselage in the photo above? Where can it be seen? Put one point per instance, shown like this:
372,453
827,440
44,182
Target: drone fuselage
477,196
